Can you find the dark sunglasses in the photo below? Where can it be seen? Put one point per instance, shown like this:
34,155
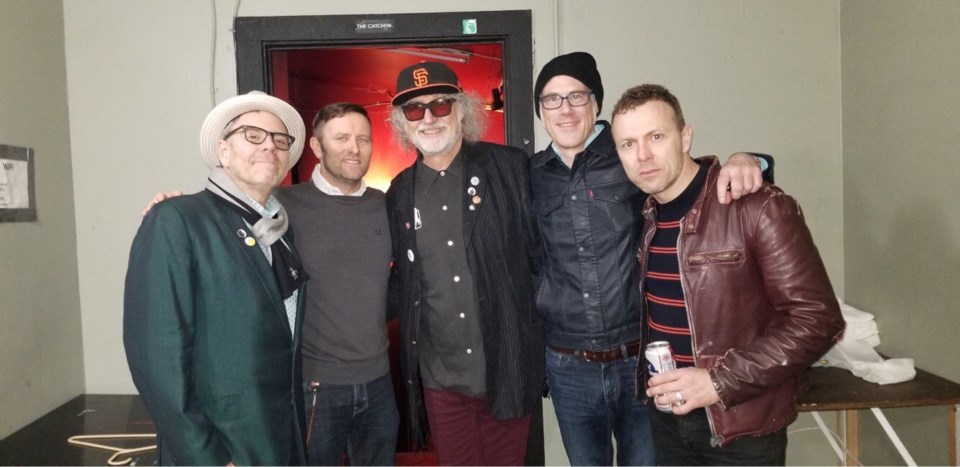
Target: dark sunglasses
438,108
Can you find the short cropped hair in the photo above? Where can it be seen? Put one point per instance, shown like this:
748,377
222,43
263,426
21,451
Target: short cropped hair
336,110
639,95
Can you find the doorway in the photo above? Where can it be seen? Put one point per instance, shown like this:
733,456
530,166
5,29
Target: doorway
311,61
310,78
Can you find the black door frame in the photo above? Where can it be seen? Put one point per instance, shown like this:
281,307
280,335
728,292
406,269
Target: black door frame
257,37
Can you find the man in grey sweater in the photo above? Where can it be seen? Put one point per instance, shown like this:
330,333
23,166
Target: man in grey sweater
345,248
342,227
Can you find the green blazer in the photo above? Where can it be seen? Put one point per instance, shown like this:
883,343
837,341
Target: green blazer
208,341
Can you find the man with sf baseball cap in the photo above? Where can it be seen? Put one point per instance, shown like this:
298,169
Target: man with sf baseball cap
464,253
214,298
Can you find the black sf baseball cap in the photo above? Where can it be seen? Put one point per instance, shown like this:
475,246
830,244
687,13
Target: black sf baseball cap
425,78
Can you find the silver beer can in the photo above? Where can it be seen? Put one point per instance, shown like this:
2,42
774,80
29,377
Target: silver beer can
659,357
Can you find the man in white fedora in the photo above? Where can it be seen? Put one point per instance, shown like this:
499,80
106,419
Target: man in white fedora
214,298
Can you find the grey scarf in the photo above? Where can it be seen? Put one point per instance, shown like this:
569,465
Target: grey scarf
287,267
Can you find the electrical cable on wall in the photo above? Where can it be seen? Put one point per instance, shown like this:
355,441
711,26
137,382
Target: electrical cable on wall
213,48
213,56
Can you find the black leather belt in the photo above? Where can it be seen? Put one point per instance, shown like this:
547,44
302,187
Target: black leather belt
603,356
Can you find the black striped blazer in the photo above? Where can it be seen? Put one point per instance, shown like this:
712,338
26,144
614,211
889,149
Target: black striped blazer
503,254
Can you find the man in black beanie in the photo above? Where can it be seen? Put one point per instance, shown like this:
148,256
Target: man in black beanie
588,213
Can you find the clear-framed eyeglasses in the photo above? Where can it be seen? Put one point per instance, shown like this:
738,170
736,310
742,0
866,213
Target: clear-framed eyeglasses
575,99
257,135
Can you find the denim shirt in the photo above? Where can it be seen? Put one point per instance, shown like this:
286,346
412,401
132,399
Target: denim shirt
589,221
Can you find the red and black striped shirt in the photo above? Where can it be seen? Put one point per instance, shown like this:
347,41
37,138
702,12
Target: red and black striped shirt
663,289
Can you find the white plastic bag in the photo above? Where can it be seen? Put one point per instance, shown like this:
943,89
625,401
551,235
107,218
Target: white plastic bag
854,352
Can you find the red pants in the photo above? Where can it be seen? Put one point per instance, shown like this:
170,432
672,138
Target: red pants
464,432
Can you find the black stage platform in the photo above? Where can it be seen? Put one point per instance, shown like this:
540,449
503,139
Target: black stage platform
44,442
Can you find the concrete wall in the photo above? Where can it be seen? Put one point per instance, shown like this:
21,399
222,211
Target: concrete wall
750,75
901,114
41,348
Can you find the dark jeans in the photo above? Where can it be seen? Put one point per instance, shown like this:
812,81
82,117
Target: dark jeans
464,432
595,402
356,420
685,440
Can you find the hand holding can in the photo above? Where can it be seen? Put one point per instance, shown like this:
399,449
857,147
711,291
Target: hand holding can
659,357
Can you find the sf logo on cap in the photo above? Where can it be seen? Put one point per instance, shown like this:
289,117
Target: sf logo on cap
420,77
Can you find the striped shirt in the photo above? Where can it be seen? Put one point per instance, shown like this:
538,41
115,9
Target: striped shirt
663,289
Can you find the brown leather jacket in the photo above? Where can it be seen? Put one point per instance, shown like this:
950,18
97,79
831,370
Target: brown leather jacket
759,302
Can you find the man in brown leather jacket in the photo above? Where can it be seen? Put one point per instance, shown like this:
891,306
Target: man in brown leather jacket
739,291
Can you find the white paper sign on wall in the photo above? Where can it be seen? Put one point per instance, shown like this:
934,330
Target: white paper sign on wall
17,199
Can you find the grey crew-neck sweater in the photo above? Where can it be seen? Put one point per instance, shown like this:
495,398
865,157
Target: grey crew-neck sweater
344,243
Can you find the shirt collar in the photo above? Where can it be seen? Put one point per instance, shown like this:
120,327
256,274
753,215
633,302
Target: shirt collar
271,209
596,132
455,167
426,176
679,206
601,139
323,185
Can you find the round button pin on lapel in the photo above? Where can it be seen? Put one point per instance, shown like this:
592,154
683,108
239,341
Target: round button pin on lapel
250,241
474,181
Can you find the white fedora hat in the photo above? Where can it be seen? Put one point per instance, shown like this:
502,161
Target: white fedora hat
221,115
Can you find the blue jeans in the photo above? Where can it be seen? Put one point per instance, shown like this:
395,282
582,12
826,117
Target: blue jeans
594,403
685,440
356,420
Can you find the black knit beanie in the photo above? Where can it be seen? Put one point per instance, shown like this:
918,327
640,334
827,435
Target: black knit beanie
578,65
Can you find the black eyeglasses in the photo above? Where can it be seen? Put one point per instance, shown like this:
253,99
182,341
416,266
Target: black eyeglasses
575,99
257,135
438,108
